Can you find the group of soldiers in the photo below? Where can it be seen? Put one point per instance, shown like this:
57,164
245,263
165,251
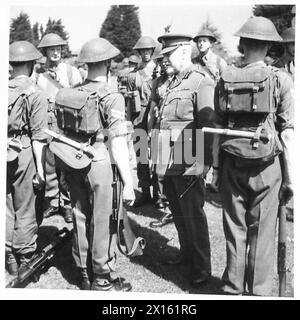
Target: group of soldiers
166,95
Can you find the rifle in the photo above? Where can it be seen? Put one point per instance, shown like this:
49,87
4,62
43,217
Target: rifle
39,260
125,236
281,256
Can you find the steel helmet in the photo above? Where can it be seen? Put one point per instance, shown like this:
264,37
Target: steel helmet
145,43
51,40
288,35
259,28
134,59
205,33
96,50
22,51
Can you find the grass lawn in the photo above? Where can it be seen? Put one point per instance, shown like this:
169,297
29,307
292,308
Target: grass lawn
148,273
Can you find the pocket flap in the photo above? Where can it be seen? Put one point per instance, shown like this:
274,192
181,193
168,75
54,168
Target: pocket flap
245,75
72,98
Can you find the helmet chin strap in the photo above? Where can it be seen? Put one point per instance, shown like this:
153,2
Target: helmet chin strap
107,64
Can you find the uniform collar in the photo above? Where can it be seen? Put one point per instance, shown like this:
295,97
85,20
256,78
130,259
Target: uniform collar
254,64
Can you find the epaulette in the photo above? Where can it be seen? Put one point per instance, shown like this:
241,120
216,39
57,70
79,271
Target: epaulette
28,91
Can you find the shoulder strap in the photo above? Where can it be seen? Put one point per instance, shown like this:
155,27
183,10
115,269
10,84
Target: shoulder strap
69,73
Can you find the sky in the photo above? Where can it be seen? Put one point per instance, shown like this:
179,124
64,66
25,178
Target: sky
84,21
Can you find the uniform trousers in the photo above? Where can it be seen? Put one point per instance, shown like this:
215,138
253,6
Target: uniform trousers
56,189
23,205
191,223
250,202
91,200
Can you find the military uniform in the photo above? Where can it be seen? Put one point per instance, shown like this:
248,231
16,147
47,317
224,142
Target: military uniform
91,193
211,64
187,104
90,184
51,80
23,211
140,82
249,193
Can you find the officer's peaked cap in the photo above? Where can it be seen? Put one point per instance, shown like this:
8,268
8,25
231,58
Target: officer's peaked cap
171,41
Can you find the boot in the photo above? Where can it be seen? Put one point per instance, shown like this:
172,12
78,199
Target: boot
84,281
145,198
166,218
101,283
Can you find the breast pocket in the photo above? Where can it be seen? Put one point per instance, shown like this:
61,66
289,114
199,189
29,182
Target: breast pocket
184,105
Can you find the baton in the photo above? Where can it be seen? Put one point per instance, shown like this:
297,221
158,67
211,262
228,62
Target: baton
265,137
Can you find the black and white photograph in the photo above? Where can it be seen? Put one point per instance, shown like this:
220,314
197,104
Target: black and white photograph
150,150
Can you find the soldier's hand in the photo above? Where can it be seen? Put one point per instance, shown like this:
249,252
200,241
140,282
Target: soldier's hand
285,193
215,182
128,195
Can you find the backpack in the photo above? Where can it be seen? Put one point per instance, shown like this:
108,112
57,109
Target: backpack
80,112
18,114
248,98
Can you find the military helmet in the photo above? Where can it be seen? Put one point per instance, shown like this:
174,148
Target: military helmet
288,35
134,59
205,33
259,28
22,51
96,50
51,40
145,43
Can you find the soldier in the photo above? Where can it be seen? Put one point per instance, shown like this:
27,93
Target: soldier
159,89
185,106
287,61
140,82
252,177
91,186
54,75
208,61
26,144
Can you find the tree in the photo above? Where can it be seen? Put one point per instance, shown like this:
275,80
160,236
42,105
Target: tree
35,34
122,28
20,28
281,15
56,26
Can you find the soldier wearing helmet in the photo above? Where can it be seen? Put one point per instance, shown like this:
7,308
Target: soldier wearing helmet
207,61
140,83
91,187
50,77
253,176
27,119
287,60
